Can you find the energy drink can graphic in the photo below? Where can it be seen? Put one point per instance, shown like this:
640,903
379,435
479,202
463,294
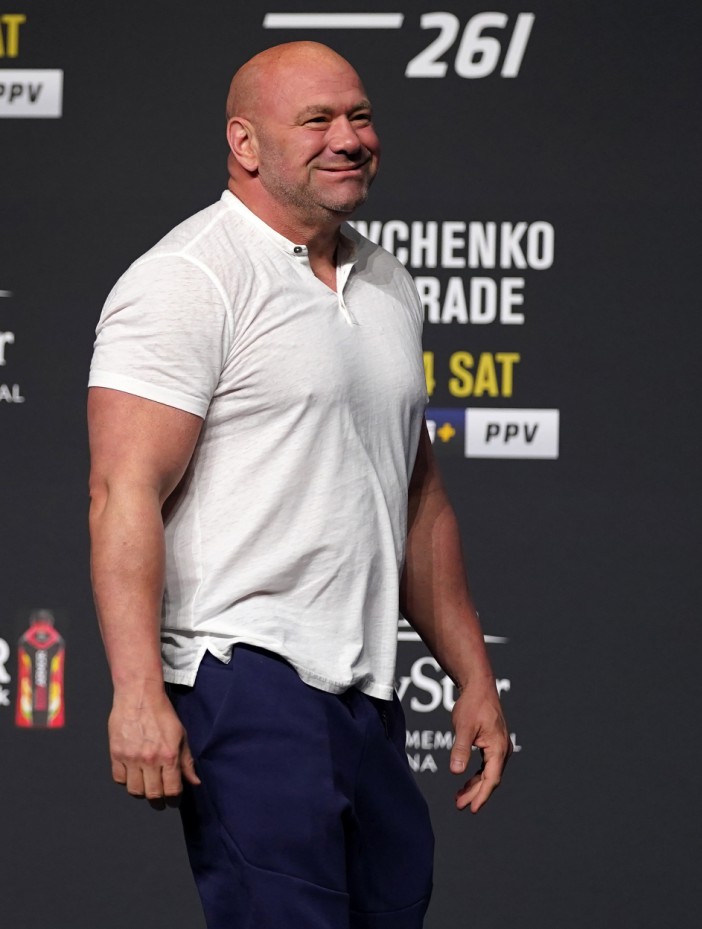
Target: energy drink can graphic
40,691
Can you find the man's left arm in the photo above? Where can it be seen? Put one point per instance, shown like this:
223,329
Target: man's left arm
435,598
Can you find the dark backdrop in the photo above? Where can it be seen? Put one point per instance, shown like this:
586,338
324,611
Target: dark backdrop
585,563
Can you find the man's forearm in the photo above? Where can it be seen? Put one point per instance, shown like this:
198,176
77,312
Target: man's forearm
148,747
435,598
127,565
434,593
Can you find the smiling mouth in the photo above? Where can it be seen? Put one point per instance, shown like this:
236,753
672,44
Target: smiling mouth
347,174
346,168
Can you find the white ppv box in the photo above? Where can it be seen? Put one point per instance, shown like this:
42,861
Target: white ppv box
511,433
25,94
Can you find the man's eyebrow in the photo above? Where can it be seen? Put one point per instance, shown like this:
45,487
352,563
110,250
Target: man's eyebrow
324,110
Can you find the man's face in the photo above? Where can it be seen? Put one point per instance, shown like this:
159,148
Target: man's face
317,148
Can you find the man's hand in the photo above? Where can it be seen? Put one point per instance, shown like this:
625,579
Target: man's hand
478,720
435,598
149,749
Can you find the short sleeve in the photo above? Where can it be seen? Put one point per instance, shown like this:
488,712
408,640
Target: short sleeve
164,333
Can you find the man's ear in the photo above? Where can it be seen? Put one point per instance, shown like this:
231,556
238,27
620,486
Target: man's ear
242,141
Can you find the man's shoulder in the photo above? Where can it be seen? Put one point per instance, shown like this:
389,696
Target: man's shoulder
207,250
201,232
210,244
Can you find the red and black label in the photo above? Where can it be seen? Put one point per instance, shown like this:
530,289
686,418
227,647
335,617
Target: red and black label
40,685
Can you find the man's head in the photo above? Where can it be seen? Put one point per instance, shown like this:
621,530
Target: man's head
299,125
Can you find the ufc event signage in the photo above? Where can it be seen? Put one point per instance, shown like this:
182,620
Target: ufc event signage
539,181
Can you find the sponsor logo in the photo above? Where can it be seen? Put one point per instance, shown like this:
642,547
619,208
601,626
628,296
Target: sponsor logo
40,702
487,43
428,697
447,429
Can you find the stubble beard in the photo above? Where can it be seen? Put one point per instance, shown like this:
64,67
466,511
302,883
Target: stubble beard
315,204
305,200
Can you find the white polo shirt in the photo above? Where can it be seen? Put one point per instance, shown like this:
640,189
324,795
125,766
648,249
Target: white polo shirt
289,531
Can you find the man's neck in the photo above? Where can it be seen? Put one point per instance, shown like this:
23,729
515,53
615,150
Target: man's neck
320,235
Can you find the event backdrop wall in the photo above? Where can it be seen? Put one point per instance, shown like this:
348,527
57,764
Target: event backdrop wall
538,182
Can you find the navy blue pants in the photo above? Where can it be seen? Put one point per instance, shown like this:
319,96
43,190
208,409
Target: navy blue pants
308,816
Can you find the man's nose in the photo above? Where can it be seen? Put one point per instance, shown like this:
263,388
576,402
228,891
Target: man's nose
343,137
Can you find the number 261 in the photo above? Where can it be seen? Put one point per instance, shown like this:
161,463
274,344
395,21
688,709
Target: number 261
477,54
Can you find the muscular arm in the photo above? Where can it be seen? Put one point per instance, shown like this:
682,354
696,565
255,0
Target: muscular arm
139,452
435,598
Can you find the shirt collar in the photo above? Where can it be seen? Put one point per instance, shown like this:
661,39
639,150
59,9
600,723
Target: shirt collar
346,253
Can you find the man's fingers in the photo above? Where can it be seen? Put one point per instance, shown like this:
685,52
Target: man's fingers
119,772
172,782
161,786
174,774
153,788
153,784
478,789
150,755
460,755
135,782
188,766
478,721
140,780
469,790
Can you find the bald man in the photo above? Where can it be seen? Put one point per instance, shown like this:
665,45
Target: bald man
264,500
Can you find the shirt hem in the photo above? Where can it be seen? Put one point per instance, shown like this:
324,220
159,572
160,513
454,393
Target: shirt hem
307,676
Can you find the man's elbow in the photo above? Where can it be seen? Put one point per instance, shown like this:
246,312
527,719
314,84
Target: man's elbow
98,494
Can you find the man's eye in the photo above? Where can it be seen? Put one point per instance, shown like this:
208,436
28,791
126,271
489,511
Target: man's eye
318,120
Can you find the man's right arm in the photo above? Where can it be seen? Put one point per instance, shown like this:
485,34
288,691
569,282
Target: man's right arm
139,450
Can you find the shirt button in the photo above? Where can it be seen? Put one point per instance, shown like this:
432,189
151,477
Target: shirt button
297,249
